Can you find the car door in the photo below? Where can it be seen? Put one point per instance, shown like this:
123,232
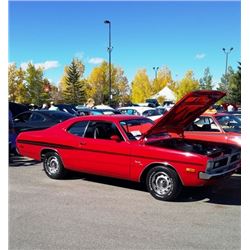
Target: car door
99,154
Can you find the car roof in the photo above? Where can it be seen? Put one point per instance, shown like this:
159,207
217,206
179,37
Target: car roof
47,112
112,118
138,108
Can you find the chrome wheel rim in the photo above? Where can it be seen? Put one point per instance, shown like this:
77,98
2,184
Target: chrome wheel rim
52,165
161,183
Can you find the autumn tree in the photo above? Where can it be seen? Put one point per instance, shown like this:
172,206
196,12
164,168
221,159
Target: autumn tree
164,78
141,87
206,80
186,85
98,84
17,88
73,91
120,88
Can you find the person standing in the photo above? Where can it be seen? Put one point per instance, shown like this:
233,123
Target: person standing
230,108
52,106
45,106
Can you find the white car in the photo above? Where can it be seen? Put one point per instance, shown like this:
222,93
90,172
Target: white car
151,113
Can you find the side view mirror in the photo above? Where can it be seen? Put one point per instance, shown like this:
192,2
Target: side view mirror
115,138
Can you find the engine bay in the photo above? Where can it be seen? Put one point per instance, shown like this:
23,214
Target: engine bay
210,149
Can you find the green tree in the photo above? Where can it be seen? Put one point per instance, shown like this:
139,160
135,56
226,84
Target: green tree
141,87
231,84
206,80
236,86
36,85
74,92
186,85
80,68
17,88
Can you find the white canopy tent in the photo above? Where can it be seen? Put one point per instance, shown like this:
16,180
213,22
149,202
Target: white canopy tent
167,93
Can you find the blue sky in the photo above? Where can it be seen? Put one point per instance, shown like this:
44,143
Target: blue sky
180,35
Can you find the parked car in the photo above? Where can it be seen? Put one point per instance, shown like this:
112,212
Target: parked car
38,119
132,148
168,105
17,108
218,127
93,111
153,102
67,108
236,113
161,110
149,112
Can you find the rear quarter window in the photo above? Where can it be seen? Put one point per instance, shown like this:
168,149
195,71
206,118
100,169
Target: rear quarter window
78,128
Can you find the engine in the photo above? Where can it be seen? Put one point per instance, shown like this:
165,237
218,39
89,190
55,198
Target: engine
211,149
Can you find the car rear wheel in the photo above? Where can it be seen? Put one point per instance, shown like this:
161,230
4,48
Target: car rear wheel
53,166
163,183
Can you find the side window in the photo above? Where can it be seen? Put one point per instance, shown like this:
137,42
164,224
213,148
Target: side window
36,118
130,112
78,128
205,124
102,130
23,117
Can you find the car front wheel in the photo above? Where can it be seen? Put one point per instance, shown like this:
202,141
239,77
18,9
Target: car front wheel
53,166
163,183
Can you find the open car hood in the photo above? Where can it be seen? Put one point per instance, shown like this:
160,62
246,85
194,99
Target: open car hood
184,112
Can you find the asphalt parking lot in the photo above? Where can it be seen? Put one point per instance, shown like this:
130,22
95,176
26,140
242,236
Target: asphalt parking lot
89,212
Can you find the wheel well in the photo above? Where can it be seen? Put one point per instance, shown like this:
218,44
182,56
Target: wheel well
45,151
148,168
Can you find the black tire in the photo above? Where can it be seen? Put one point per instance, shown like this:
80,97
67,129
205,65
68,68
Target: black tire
163,183
53,166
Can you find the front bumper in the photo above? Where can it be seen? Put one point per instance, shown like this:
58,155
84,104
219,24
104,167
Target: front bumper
221,173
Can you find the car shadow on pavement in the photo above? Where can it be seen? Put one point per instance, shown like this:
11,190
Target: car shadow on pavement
20,161
226,193
107,181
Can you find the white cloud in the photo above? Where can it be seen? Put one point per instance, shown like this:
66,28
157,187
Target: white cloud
45,65
95,60
200,56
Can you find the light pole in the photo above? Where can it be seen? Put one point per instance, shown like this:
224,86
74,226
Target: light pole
155,69
109,51
227,53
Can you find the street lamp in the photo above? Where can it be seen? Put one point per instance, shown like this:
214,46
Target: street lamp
109,51
155,69
227,53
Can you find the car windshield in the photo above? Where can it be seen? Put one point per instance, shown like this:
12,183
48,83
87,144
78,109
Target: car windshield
229,123
135,128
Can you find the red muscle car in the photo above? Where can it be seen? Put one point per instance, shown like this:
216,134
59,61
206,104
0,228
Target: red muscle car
217,127
133,148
